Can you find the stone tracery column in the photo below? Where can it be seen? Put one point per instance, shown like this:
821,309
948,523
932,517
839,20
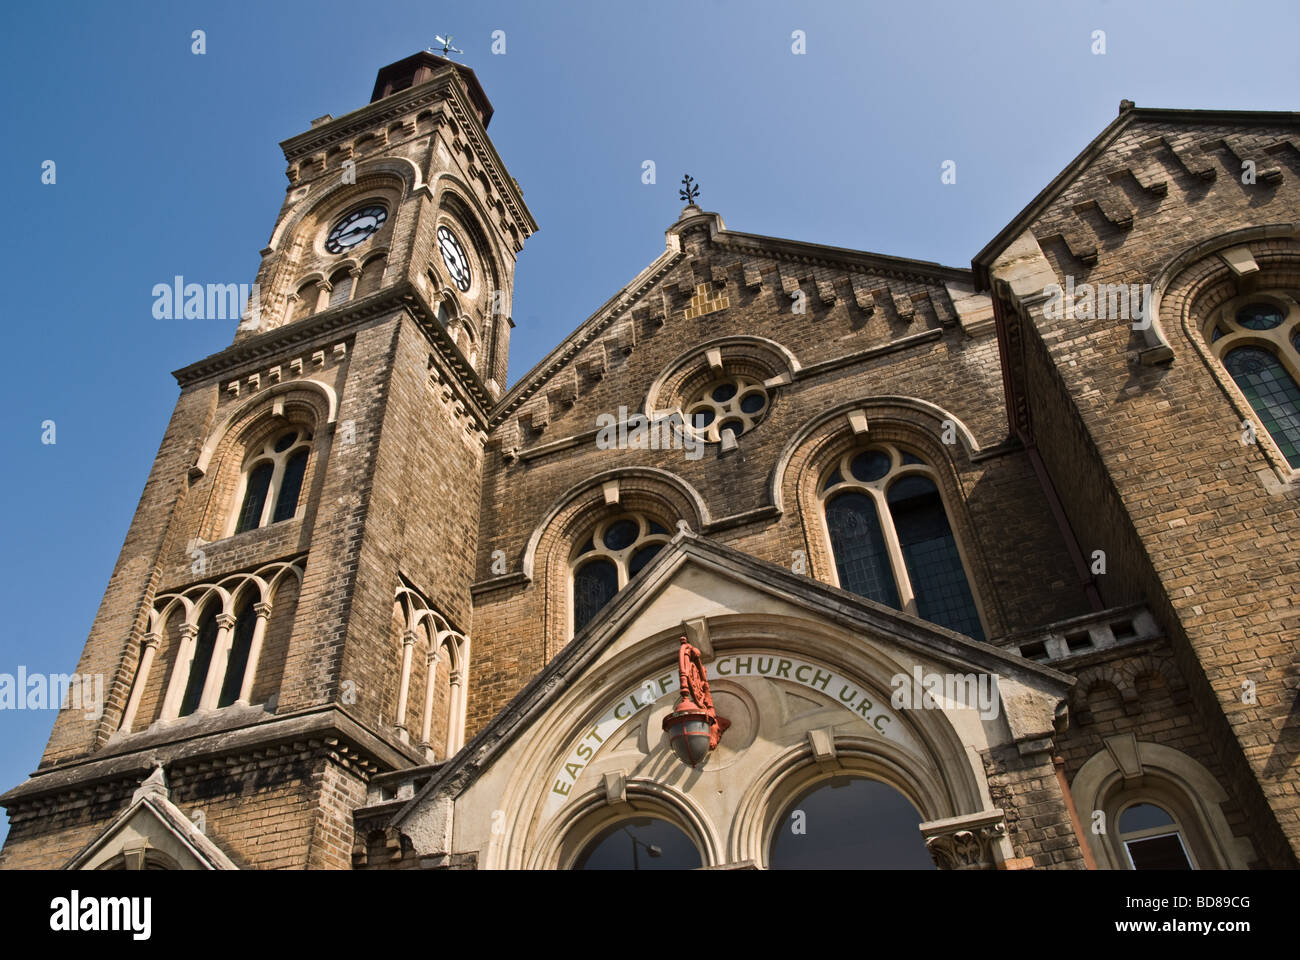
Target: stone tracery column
404,685
151,643
180,672
263,611
220,658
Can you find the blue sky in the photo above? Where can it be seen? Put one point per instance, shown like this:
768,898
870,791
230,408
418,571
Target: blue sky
167,163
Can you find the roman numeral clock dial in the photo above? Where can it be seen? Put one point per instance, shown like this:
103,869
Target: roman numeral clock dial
355,227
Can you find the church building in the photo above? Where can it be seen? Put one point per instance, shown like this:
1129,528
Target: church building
788,556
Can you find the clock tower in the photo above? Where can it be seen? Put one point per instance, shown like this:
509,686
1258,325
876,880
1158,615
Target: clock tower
290,613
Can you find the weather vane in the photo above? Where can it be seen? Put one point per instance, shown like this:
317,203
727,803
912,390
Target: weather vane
446,45
690,189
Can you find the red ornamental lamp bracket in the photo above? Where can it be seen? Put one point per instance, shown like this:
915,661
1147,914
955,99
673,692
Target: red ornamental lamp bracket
694,727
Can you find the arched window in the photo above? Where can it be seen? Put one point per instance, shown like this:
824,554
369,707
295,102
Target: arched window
1257,339
640,843
617,550
340,287
849,823
206,645
891,539
1152,839
273,480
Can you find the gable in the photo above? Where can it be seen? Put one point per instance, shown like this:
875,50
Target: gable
1120,178
152,833
823,303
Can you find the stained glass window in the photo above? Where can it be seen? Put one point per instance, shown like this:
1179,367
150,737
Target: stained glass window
930,551
1273,394
859,546
594,585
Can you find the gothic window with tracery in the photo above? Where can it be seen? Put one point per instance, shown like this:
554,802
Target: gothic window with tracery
731,404
891,538
616,551
273,480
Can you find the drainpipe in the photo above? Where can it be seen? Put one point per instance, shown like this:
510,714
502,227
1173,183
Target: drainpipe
1079,834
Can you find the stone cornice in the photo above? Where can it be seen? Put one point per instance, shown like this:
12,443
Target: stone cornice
1129,114
775,248
332,322
859,261
336,732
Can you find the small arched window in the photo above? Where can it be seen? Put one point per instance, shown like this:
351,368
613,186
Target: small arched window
205,645
241,643
1257,339
273,480
616,551
1152,838
891,539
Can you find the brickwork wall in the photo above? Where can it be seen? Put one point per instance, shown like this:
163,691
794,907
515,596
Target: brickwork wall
1038,821
1149,461
1030,578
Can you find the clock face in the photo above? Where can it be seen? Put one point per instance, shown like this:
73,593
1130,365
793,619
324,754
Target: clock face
453,255
355,227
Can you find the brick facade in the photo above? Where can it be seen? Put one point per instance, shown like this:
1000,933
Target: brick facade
1048,439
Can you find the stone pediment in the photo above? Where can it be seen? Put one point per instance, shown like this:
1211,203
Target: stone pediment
152,834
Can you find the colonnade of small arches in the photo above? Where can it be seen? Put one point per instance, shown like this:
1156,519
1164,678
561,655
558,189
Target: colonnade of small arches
443,651
216,651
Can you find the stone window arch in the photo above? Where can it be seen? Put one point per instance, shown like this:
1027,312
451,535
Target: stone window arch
340,284
306,299
261,464
372,275
270,490
1129,773
917,537
723,389
552,549
1256,365
220,644
588,822
862,823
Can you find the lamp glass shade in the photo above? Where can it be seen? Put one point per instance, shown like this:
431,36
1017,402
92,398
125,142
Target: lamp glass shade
689,736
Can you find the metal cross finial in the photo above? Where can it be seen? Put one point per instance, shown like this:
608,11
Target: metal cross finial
690,189
446,45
